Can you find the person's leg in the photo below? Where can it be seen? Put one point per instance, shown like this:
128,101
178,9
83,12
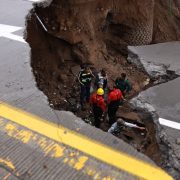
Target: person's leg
115,108
88,88
96,121
97,116
112,114
82,95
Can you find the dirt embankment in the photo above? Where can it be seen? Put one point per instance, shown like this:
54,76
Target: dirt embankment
96,32
64,34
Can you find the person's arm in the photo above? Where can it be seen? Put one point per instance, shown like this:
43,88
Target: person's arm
91,73
123,99
130,125
128,86
121,95
116,81
133,126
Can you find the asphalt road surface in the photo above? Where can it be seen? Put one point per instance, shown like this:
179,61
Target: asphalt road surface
165,98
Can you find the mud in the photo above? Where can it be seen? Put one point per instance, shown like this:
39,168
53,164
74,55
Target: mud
64,34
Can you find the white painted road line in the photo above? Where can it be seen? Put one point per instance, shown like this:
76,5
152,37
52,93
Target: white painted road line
169,123
6,31
15,37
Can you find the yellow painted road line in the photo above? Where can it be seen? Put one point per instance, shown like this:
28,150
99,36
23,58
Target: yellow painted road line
97,150
7,163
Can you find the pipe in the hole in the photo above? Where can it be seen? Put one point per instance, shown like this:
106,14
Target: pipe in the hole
41,23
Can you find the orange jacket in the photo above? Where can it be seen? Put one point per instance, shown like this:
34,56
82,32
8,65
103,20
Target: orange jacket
114,95
98,101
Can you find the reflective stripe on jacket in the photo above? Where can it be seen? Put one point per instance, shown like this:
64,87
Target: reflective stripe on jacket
85,77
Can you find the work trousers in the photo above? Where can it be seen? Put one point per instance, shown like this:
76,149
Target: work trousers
84,94
112,109
97,112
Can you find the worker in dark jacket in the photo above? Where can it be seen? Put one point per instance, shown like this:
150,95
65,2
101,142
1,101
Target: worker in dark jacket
85,78
123,84
114,98
98,106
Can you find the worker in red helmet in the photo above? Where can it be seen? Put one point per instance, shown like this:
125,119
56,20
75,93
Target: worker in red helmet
98,106
115,97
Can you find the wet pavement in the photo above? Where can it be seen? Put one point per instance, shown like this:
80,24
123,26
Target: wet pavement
162,53
165,98
22,148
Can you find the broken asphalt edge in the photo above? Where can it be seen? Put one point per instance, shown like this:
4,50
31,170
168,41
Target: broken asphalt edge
172,164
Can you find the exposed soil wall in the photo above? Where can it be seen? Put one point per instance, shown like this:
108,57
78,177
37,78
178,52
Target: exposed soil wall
166,21
96,32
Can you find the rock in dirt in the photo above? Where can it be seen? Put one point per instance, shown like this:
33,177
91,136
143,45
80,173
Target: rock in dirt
178,141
